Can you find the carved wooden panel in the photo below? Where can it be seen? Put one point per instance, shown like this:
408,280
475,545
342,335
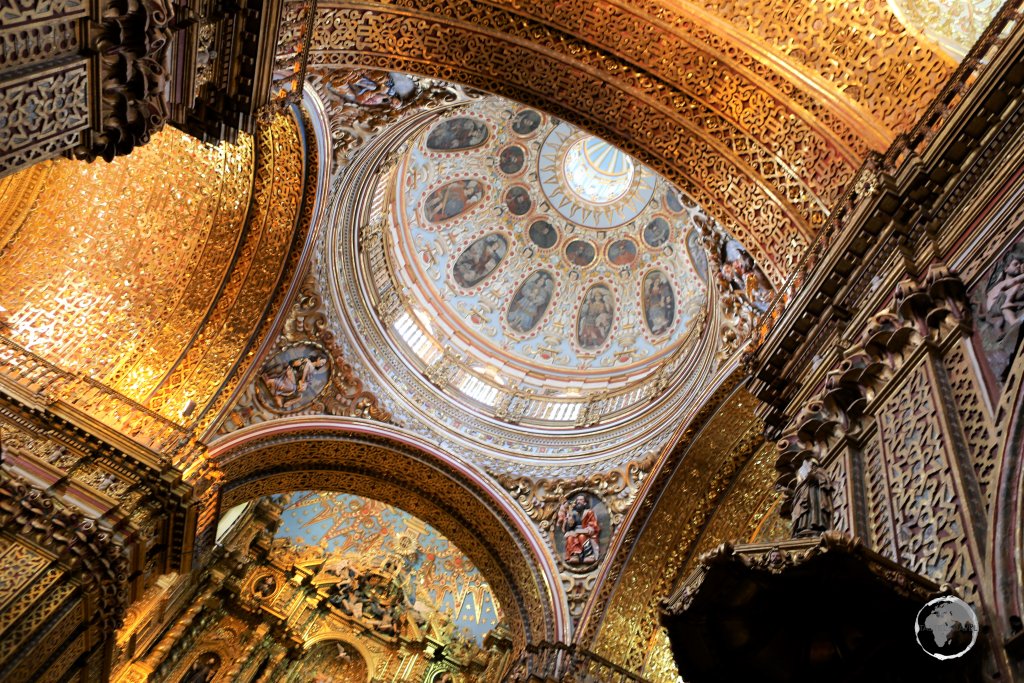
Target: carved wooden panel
41,114
929,521
880,515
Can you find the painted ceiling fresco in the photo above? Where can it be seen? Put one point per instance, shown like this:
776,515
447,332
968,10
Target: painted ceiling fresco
543,244
364,537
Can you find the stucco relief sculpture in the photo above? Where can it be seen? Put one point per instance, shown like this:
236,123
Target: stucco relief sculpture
294,377
581,530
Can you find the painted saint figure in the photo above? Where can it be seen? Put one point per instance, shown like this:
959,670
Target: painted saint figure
452,199
518,201
479,260
581,530
659,303
657,232
530,302
526,122
456,134
580,253
511,159
543,234
297,380
596,315
621,252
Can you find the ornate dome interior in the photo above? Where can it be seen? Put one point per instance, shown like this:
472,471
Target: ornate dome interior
528,273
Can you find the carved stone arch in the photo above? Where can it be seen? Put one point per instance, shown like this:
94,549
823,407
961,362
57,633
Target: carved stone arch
357,645
390,465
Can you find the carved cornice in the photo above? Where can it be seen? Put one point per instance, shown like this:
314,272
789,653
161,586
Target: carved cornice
81,543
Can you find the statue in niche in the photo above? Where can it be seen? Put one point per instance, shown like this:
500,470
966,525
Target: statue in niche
265,586
203,669
812,500
1000,302
581,530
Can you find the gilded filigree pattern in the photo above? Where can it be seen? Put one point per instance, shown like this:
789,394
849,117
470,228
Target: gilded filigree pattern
91,278
667,540
860,48
44,113
271,226
974,419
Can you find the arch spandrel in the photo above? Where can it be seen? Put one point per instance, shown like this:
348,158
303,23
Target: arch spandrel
764,151
389,465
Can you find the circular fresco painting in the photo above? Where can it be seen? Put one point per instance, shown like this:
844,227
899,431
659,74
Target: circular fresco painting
526,122
518,201
294,377
657,232
511,160
581,531
621,252
543,234
580,253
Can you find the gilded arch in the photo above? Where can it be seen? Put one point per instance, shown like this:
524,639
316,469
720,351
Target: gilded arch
763,135
385,463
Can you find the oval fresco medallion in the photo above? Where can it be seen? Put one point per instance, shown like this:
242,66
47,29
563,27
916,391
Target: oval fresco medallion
581,531
580,253
673,201
698,256
659,303
621,252
456,134
530,302
512,159
543,234
657,232
518,201
526,122
597,313
452,199
294,377
480,259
